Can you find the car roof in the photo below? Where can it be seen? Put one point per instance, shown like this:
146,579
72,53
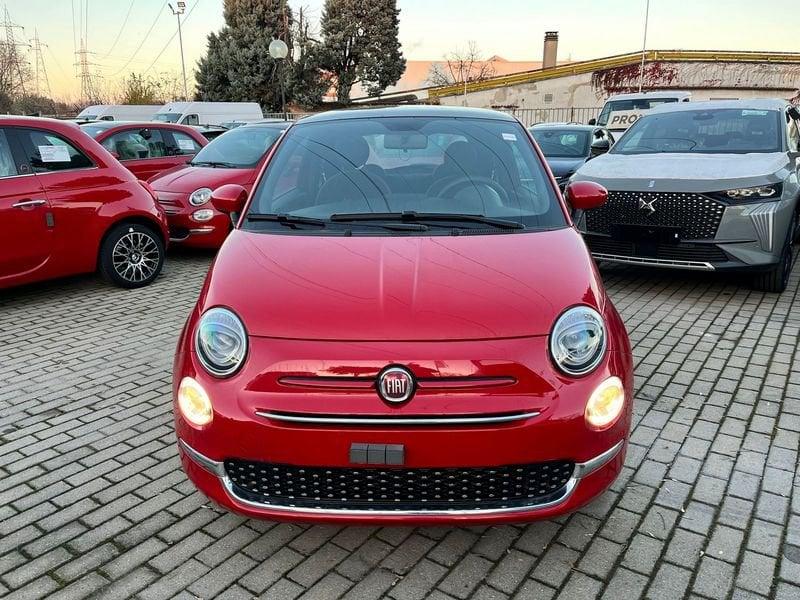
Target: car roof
409,111
643,95
267,124
113,124
749,104
575,126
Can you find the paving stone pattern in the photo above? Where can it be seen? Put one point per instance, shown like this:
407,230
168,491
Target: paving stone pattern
93,502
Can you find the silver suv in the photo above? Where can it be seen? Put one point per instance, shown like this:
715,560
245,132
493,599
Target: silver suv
701,185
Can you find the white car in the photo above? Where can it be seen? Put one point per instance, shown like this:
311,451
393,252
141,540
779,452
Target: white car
209,113
623,110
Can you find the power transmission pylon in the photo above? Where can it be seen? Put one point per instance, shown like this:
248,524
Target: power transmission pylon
18,67
39,69
84,65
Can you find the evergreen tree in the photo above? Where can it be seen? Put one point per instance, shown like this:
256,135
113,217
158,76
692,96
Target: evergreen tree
360,45
237,66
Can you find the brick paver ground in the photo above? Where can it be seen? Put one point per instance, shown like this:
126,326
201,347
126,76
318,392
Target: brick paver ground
93,501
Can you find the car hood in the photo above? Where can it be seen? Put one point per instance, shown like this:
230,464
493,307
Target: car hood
684,172
186,178
402,288
564,166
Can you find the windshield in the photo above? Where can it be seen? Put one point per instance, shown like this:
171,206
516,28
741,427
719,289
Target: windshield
562,143
240,148
637,104
716,131
368,169
167,117
93,130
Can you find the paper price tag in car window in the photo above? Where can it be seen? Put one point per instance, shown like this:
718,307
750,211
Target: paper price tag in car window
54,154
754,113
186,145
509,137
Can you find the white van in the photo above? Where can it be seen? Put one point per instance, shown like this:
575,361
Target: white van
623,110
119,112
208,113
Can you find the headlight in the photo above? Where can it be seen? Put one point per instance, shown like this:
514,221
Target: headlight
750,194
578,340
194,403
200,197
605,404
221,342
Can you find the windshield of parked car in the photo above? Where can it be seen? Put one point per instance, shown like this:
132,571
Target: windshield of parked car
562,143
467,171
704,131
94,130
638,104
239,148
167,117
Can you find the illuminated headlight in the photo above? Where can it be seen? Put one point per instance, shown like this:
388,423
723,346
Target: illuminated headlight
200,197
193,402
753,193
221,342
605,404
578,340
202,215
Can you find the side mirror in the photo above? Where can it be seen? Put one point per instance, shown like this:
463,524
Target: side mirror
229,198
592,122
600,146
585,195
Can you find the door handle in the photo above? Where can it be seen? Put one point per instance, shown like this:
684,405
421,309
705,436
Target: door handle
29,203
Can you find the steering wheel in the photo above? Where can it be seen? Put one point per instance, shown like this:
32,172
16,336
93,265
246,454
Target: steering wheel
448,189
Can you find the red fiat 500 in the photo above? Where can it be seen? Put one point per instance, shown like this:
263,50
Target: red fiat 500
147,149
404,327
185,192
67,206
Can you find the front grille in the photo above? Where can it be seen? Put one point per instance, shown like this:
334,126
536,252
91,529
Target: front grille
697,216
372,488
684,251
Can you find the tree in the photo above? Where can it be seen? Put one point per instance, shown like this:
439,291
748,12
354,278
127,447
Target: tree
5,102
461,66
238,67
360,45
138,90
14,71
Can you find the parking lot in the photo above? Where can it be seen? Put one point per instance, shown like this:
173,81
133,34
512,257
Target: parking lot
93,500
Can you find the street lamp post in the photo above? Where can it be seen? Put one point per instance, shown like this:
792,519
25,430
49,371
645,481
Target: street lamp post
178,12
644,44
279,51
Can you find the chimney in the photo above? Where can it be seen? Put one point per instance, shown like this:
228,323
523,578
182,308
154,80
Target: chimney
550,49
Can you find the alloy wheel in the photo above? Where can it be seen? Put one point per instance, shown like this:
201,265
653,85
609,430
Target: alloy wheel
135,256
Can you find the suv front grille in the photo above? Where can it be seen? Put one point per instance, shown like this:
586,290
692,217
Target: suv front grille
685,251
417,489
697,216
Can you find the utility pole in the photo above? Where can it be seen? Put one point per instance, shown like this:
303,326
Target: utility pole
178,12
39,69
18,65
644,44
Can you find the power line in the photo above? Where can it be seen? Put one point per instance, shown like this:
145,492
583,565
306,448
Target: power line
121,29
144,39
169,41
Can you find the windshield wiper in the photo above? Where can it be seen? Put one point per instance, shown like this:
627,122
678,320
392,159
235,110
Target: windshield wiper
213,163
285,219
412,216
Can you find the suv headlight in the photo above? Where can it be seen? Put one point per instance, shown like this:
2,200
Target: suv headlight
221,342
578,340
751,194
200,197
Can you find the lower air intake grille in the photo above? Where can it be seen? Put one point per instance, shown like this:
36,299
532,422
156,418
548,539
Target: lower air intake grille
398,488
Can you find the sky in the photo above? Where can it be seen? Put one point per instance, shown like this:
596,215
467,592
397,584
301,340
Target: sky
513,29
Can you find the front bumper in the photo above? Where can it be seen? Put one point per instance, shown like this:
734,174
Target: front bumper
589,479
185,230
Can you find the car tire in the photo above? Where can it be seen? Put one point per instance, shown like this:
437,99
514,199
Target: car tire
777,278
131,255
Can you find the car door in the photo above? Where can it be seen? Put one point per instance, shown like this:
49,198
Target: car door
26,232
180,146
142,151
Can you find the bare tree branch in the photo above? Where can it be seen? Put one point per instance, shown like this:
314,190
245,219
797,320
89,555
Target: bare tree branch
461,65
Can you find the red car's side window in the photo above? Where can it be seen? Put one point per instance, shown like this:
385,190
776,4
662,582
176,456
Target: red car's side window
137,144
49,152
8,168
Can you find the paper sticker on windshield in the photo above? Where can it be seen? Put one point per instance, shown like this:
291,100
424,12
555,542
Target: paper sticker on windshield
186,144
54,154
509,137
754,113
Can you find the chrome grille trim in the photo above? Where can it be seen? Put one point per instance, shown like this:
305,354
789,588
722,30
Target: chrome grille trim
336,420
654,262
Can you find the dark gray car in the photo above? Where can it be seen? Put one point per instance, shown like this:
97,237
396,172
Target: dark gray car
701,185
566,146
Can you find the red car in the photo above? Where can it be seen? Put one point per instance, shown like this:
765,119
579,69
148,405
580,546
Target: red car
409,329
147,149
67,207
237,156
